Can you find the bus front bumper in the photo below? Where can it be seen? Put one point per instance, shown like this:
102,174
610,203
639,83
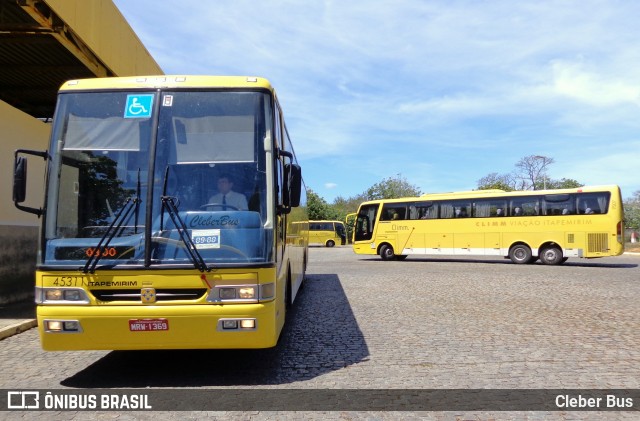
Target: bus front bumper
158,327
365,248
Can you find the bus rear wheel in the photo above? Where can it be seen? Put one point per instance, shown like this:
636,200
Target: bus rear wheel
551,255
520,254
386,252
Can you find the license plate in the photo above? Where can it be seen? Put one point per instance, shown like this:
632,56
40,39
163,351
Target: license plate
148,325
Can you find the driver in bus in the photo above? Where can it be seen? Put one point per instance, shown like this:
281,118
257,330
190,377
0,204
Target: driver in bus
227,199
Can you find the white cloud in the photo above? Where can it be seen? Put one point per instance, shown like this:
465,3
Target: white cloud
418,87
572,80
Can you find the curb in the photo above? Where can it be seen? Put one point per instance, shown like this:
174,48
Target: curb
17,328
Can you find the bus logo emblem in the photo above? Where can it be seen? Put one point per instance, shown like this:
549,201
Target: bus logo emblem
148,295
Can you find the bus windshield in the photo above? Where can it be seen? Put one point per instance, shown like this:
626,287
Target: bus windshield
158,177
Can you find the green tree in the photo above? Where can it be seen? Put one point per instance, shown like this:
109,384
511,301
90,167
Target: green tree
532,170
318,208
531,173
497,181
344,206
564,183
388,188
392,188
632,211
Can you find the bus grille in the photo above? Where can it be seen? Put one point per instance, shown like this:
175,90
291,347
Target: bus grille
108,295
597,243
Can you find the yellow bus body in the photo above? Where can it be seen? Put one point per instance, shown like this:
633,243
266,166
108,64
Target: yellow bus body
197,322
576,235
327,233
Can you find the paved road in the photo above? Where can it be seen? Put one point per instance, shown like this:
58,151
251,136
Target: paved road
418,324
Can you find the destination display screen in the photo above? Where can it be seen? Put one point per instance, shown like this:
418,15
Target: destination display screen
83,253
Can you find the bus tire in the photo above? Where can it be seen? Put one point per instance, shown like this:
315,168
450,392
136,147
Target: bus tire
520,254
330,243
386,252
551,255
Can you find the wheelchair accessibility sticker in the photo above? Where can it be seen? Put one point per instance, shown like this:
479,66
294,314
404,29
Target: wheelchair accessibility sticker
138,106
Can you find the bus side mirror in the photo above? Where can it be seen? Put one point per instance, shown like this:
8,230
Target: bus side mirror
19,179
293,185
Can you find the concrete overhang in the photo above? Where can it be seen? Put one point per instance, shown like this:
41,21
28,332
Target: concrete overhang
43,43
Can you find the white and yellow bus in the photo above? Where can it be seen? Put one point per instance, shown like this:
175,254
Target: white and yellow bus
327,233
140,246
550,225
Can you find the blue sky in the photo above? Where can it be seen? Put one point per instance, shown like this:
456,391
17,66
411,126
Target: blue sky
440,92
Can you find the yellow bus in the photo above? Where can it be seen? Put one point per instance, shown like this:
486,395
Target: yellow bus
327,233
550,225
164,226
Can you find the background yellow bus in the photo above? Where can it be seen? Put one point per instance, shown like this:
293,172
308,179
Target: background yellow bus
550,225
141,247
327,233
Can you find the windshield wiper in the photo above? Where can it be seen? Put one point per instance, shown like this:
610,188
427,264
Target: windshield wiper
192,251
137,214
123,214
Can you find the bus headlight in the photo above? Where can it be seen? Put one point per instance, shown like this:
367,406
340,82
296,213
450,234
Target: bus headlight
233,294
62,326
247,293
248,324
61,296
227,293
238,325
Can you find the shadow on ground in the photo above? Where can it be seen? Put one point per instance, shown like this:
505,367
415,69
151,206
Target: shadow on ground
321,335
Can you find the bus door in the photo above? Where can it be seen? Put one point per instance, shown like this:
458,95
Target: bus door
340,232
394,226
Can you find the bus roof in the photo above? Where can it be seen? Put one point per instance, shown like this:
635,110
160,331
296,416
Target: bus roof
168,81
472,194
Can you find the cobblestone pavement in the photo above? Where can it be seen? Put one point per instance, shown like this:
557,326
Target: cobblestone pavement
364,323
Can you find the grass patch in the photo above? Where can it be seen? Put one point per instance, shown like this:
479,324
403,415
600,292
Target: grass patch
632,247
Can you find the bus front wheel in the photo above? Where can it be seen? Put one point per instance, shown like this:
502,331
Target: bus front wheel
331,243
520,254
386,252
551,255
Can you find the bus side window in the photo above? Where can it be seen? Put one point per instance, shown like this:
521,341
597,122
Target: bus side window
446,210
394,213
461,212
425,210
524,208
414,212
593,203
559,204
487,208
